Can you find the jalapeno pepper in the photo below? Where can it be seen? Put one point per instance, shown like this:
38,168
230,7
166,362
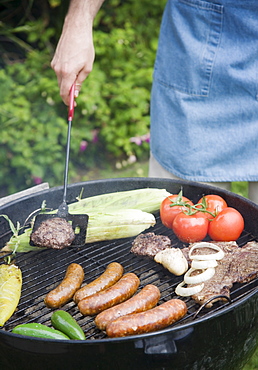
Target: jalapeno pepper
64,322
39,330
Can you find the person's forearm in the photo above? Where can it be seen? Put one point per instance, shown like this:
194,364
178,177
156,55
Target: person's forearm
81,13
74,54
84,9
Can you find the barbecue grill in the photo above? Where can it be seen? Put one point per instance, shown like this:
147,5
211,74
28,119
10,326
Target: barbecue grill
222,337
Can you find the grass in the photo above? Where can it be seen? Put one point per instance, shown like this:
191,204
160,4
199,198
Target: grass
114,170
138,169
253,362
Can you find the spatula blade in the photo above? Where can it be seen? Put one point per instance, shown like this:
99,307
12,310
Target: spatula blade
79,224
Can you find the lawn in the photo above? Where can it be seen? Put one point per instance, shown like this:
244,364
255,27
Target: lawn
253,363
138,169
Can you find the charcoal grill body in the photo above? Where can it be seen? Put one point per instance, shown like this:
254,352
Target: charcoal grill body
221,339
224,341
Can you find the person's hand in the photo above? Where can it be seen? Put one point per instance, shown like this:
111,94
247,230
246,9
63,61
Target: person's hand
74,57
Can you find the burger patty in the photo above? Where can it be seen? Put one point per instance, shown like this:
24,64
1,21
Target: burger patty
150,244
54,233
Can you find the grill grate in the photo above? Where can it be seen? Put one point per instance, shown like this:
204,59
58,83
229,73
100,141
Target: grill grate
44,269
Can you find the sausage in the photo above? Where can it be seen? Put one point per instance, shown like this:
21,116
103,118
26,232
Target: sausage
146,299
65,290
109,277
117,293
144,322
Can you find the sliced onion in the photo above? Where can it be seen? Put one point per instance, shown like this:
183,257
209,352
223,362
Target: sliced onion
204,257
199,278
201,265
186,292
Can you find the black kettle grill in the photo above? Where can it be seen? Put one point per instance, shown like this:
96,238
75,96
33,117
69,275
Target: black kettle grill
223,337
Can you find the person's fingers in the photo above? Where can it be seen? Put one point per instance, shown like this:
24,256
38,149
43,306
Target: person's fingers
65,87
77,89
81,77
69,72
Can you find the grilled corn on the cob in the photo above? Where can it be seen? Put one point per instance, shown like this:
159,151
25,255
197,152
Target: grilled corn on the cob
111,216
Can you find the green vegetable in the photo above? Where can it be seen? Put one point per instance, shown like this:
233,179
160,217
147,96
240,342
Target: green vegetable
147,200
64,322
117,224
111,216
39,331
101,226
10,291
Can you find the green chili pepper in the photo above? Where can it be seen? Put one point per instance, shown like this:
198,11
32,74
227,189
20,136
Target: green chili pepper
64,322
38,330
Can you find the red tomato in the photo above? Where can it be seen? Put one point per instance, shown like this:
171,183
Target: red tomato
190,228
169,212
214,204
226,226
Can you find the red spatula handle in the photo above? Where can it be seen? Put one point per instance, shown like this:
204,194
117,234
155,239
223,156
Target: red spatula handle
71,103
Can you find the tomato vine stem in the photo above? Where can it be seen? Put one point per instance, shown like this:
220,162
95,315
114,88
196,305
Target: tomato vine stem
189,209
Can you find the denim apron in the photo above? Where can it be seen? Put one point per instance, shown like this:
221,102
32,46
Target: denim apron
204,100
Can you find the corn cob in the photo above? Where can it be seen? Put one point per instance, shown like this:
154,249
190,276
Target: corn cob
147,200
20,243
118,224
111,216
101,226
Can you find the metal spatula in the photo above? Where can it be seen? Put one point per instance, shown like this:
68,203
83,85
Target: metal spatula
78,222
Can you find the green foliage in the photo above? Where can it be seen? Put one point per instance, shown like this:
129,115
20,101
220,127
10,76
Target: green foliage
112,108
240,187
253,362
126,52
31,130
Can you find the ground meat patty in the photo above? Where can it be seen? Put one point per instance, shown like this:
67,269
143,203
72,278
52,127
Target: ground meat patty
54,233
150,244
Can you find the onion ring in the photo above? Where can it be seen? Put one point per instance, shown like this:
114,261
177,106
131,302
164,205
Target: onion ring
199,278
204,257
201,265
186,292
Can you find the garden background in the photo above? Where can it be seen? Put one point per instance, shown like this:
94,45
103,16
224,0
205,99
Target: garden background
110,133
111,122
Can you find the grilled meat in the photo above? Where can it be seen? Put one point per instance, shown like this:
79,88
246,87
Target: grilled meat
239,265
244,267
150,244
54,233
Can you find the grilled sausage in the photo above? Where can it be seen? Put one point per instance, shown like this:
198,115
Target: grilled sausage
144,322
146,299
109,277
117,293
65,290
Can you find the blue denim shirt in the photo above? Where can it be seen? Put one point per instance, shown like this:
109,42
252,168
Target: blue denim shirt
204,101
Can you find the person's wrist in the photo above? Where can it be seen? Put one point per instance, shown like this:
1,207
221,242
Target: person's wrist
78,19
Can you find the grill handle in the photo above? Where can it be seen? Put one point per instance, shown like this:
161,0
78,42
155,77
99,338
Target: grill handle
164,344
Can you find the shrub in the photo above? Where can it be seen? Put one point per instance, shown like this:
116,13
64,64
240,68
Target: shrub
112,116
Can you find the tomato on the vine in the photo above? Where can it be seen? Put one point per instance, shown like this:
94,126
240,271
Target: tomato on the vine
191,228
227,225
168,211
212,203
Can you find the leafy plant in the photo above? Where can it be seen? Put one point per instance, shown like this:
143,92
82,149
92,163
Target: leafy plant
112,115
